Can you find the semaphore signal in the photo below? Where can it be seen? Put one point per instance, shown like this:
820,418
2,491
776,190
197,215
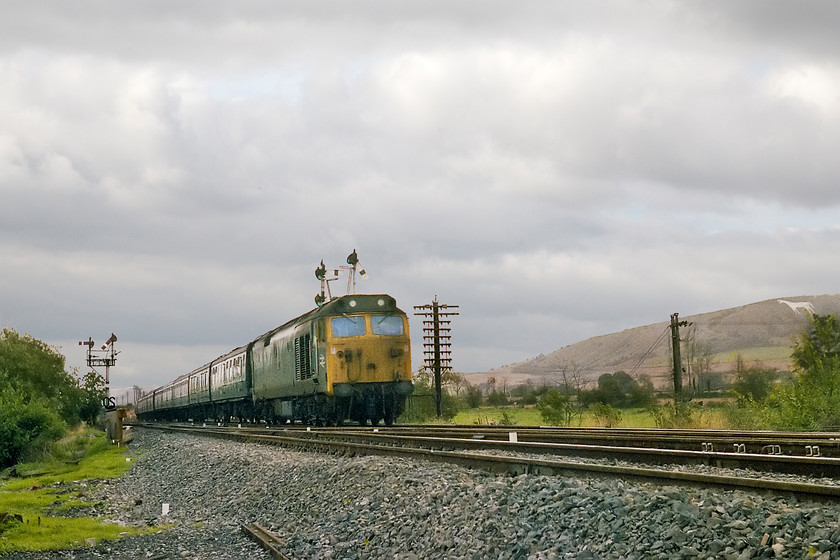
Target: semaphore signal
106,357
327,275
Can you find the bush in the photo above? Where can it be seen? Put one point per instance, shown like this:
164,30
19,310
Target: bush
555,408
38,397
506,419
421,404
811,400
473,397
497,398
26,426
748,414
679,415
606,415
421,408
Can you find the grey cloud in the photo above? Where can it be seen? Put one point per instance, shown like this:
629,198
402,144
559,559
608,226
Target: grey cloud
559,170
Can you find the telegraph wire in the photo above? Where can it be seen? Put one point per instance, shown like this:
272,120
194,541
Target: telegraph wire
650,350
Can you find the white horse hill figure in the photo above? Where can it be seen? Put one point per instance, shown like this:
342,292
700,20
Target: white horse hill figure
795,306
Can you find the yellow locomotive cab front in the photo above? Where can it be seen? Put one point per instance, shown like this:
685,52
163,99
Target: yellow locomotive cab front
368,362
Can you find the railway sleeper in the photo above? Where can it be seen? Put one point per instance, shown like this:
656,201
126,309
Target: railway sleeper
772,449
812,450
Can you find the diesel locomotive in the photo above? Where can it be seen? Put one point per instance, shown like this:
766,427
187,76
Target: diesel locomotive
349,359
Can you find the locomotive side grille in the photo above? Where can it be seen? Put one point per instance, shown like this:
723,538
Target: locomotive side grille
303,360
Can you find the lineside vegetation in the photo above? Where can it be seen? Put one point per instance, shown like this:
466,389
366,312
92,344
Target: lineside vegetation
44,505
50,456
39,400
808,399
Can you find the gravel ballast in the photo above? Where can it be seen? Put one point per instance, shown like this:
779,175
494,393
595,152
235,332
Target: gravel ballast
325,506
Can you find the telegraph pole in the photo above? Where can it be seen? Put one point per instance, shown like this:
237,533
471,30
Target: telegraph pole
437,345
675,345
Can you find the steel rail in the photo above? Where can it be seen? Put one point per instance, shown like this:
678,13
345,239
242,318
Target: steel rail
265,539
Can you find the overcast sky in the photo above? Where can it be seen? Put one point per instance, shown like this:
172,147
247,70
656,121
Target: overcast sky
174,171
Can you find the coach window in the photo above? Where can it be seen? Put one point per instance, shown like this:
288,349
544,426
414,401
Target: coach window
386,324
347,326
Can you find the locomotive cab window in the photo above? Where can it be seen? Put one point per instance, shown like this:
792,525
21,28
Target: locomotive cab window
347,326
391,325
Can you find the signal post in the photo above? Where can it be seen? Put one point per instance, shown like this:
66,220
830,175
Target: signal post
107,357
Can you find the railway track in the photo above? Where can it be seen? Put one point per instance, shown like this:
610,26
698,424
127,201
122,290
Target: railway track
807,444
554,452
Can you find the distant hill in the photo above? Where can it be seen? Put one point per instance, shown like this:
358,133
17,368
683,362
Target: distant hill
760,333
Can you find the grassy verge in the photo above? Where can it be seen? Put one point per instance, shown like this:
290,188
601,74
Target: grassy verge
51,496
510,416
630,418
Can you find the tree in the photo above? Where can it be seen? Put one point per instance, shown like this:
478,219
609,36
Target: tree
526,393
454,381
497,398
754,383
812,400
571,384
819,343
38,398
92,394
473,396
556,408
620,390
642,393
36,370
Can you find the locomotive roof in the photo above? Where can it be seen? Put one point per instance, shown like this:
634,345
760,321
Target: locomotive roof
356,303
344,305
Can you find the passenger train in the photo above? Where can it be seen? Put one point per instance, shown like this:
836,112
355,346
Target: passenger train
349,359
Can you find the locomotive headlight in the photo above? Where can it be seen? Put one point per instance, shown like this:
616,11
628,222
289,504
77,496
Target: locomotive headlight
352,303
380,302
